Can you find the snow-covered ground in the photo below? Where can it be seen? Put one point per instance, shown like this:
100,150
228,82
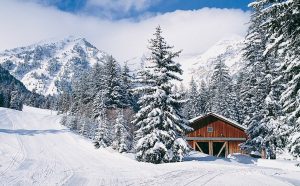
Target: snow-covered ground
36,150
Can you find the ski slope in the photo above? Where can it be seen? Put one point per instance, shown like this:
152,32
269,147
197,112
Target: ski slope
36,150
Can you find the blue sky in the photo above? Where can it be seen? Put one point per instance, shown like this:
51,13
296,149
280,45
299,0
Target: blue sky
151,7
171,5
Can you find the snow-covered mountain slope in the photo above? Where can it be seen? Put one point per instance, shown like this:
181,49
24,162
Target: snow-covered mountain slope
49,66
200,67
36,150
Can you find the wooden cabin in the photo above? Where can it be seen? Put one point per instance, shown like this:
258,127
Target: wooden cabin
216,135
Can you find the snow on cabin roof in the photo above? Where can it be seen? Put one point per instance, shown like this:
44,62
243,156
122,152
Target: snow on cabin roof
220,117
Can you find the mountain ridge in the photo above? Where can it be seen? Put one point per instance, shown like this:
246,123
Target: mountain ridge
201,66
49,67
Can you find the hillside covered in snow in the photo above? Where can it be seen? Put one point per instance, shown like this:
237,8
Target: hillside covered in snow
36,150
49,67
201,66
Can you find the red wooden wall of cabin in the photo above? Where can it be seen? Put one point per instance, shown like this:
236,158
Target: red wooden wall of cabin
233,147
220,129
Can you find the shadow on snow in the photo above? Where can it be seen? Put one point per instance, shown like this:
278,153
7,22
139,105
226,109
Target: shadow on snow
32,132
239,158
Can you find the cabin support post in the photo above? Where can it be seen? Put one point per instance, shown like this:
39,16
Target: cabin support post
194,147
210,144
226,149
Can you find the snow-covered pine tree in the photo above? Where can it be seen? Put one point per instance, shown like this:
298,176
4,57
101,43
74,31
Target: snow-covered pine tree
33,98
127,85
182,94
98,106
239,88
193,105
84,126
15,100
77,94
281,24
276,139
72,122
1,99
205,97
64,120
253,72
97,78
181,90
282,30
64,102
102,133
259,92
102,137
161,127
121,136
255,87
113,88
223,96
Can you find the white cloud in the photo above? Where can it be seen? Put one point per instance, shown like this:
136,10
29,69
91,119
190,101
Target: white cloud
193,31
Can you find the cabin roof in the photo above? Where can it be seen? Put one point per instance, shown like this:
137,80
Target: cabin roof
230,121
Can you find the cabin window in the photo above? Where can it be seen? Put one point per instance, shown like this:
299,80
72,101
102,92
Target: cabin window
210,129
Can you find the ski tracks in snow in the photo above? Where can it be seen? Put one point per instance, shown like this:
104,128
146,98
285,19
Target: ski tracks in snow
40,165
42,152
19,156
205,175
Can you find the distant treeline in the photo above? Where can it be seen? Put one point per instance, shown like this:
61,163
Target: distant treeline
13,94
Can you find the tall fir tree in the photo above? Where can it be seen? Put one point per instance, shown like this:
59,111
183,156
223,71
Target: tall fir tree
98,105
282,31
97,78
161,127
84,127
121,140
259,93
221,85
193,105
127,85
16,100
81,97
205,97
102,137
113,88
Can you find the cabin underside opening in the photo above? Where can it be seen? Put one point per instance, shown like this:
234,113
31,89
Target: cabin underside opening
203,147
219,149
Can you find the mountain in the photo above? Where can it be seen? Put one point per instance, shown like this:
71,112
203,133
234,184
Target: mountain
50,67
201,66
